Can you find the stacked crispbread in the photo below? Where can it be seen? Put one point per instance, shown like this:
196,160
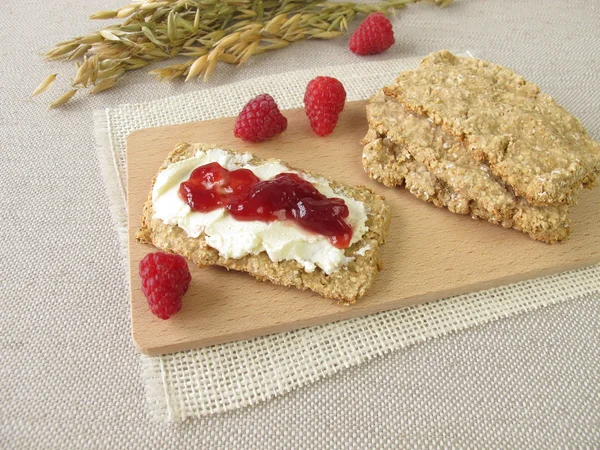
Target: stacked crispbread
479,139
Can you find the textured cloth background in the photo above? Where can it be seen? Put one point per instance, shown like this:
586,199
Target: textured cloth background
69,375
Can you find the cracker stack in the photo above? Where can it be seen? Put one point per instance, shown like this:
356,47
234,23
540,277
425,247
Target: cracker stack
479,139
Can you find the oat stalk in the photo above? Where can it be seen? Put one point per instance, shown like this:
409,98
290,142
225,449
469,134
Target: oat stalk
205,31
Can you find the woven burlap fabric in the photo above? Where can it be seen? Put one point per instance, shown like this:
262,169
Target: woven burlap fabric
70,377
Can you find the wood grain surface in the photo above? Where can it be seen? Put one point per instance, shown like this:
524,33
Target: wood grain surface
430,254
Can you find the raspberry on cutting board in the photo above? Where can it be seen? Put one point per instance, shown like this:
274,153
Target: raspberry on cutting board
374,35
165,278
260,120
324,100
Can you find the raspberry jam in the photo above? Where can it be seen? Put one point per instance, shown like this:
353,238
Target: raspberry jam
287,196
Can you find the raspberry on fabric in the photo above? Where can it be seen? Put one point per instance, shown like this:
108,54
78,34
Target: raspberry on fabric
324,100
259,120
374,35
165,278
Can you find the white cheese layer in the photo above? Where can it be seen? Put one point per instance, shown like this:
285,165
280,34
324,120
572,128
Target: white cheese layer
281,239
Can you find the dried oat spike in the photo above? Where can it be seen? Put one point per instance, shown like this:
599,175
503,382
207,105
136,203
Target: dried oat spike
211,67
44,85
109,36
80,52
101,15
60,51
231,31
197,67
105,84
63,99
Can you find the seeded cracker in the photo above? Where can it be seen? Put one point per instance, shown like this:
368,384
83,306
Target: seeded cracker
406,148
392,165
527,139
346,285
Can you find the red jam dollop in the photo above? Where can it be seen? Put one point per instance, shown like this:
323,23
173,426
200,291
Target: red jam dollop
287,196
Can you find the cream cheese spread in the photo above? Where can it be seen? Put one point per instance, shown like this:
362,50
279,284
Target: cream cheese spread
281,239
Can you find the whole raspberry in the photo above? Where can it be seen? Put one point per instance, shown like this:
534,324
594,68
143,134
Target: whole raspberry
259,120
323,102
165,278
374,35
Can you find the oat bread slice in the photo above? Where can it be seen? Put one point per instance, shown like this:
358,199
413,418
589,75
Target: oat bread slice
529,141
347,284
392,164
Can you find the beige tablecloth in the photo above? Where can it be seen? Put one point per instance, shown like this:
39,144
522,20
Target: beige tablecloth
69,375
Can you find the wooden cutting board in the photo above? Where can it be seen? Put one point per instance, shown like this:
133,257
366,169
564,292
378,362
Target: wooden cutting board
430,254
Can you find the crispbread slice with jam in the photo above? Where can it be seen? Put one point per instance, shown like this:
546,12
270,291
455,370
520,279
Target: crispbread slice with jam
347,283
